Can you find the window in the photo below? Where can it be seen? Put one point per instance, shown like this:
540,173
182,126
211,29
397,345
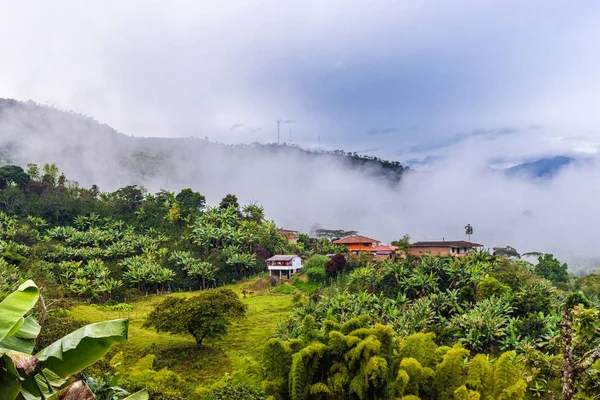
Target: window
367,245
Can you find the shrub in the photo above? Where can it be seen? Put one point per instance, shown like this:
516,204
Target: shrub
489,287
335,265
314,268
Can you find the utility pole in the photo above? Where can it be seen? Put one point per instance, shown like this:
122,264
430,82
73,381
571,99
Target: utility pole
290,135
278,122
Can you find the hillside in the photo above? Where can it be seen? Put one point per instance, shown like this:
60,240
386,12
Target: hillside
94,153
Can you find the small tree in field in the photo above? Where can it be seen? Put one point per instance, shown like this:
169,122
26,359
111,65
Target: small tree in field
205,316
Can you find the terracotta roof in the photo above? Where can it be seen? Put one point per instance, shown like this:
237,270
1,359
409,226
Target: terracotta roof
281,258
455,243
384,248
355,239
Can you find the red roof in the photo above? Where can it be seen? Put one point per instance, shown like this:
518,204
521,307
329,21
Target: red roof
456,243
384,248
355,239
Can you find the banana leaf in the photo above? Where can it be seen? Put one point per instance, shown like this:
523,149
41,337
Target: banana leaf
141,395
22,341
83,347
14,306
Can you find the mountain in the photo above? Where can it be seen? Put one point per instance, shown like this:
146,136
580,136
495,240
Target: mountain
542,168
91,152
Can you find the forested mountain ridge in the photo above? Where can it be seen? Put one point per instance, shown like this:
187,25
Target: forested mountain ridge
94,153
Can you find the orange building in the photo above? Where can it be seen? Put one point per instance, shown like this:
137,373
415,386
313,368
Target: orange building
458,248
357,243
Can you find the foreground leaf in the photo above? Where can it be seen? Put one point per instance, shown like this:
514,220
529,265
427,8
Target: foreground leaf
14,306
83,347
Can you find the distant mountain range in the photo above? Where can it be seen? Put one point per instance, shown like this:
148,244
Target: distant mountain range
542,168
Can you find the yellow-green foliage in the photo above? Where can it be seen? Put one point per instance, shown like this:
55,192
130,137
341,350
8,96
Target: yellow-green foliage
462,393
449,373
358,362
421,347
162,385
508,383
481,376
418,376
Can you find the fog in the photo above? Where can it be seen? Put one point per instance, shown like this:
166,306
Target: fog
300,190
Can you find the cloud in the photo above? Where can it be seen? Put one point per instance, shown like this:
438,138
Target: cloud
381,131
432,66
300,190
236,126
458,138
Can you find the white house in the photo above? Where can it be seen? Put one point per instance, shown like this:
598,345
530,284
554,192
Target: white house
284,266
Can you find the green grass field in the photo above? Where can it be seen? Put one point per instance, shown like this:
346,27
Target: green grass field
244,340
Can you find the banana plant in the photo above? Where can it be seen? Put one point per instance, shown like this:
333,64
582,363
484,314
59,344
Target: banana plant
47,374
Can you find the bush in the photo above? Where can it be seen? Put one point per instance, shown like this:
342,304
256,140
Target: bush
314,268
489,287
335,265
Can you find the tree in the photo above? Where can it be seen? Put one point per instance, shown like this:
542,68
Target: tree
334,233
191,202
50,173
335,265
550,268
33,171
469,231
204,316
230,201
12,174
403,244
579,326
507,251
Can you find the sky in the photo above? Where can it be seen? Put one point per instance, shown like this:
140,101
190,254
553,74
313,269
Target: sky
469,84
401,79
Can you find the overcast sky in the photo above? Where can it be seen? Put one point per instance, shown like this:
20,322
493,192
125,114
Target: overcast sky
397,78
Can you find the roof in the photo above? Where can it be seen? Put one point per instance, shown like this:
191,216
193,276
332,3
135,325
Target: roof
384,248
286,231
282,257
355,239
450,243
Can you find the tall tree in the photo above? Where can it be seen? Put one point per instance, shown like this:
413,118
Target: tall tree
469,231
50,173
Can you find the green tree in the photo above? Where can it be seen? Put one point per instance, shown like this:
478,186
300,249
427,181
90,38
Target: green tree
10,174
403,244
550,268
204,316
469,231
50,173
191,203
228,201
33,171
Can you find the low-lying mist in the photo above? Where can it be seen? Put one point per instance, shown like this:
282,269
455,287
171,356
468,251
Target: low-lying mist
301,190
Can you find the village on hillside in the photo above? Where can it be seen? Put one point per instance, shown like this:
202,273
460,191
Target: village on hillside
286,265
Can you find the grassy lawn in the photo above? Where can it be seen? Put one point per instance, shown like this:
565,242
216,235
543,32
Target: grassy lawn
244,338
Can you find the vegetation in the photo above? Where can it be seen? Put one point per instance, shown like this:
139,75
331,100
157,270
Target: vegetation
186,282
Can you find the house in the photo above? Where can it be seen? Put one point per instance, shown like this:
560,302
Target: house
357,243
382,252
444,248
284,266
292,236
